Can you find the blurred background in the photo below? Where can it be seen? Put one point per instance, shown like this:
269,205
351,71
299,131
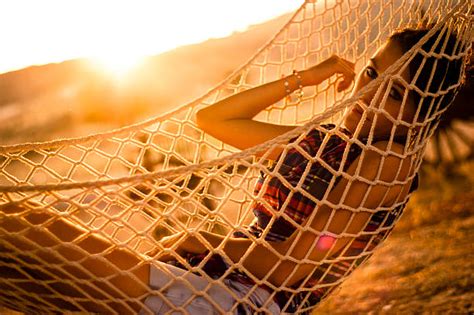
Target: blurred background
77,67
69,69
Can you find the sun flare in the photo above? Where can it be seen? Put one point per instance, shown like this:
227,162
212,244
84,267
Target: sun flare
117,65
147,27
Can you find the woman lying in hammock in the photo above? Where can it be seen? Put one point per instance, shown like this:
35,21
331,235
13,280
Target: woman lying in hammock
376,181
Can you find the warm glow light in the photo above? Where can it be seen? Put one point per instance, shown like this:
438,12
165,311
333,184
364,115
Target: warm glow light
119,30
117,64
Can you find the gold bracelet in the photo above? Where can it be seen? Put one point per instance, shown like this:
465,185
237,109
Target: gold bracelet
287,87
299,84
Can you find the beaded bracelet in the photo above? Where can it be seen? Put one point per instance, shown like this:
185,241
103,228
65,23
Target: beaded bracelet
299,83
287,87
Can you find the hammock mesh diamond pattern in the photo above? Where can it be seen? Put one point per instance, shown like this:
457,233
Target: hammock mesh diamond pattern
135,185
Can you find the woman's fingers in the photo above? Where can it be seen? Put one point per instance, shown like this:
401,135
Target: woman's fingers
344,83
181,242
170,240
166,242
192,244
346,68
326,69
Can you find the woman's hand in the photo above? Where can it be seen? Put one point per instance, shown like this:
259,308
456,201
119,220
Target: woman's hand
181,243
186,243
326,69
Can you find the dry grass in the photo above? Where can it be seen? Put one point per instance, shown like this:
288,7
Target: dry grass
426,265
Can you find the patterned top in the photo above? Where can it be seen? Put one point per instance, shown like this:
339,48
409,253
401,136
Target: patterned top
298,209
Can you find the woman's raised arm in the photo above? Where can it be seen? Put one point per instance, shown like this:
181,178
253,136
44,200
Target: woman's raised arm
231,120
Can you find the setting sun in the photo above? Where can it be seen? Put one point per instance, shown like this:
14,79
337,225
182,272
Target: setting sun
118,32
117,65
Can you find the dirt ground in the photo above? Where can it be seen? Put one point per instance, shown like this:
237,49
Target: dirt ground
426,266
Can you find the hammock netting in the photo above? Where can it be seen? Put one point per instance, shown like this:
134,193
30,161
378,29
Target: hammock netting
135,185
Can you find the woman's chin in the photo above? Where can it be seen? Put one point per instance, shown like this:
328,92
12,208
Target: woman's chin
351,123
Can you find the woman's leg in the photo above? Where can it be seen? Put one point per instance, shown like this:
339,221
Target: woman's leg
47,259
65,266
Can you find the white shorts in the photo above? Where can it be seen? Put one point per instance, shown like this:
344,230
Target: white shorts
180,291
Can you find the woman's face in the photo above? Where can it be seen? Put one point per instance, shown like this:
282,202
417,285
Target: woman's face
394,105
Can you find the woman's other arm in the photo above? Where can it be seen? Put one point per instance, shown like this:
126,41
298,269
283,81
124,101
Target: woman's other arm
382,190
285,259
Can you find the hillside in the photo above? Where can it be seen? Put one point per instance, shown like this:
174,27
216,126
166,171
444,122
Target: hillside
73,98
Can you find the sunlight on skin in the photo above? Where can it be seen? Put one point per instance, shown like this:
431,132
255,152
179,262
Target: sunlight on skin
118,32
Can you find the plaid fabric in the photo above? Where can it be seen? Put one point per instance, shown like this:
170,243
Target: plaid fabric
298,208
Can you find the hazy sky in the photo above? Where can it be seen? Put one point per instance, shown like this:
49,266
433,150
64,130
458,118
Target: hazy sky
42,31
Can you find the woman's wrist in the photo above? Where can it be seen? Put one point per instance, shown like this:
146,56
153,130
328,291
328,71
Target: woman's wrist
306,78
298,79
293,82
316,75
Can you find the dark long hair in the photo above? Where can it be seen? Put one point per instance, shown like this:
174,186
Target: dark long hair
447,67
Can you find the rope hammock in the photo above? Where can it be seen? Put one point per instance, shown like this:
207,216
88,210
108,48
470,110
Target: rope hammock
137,184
